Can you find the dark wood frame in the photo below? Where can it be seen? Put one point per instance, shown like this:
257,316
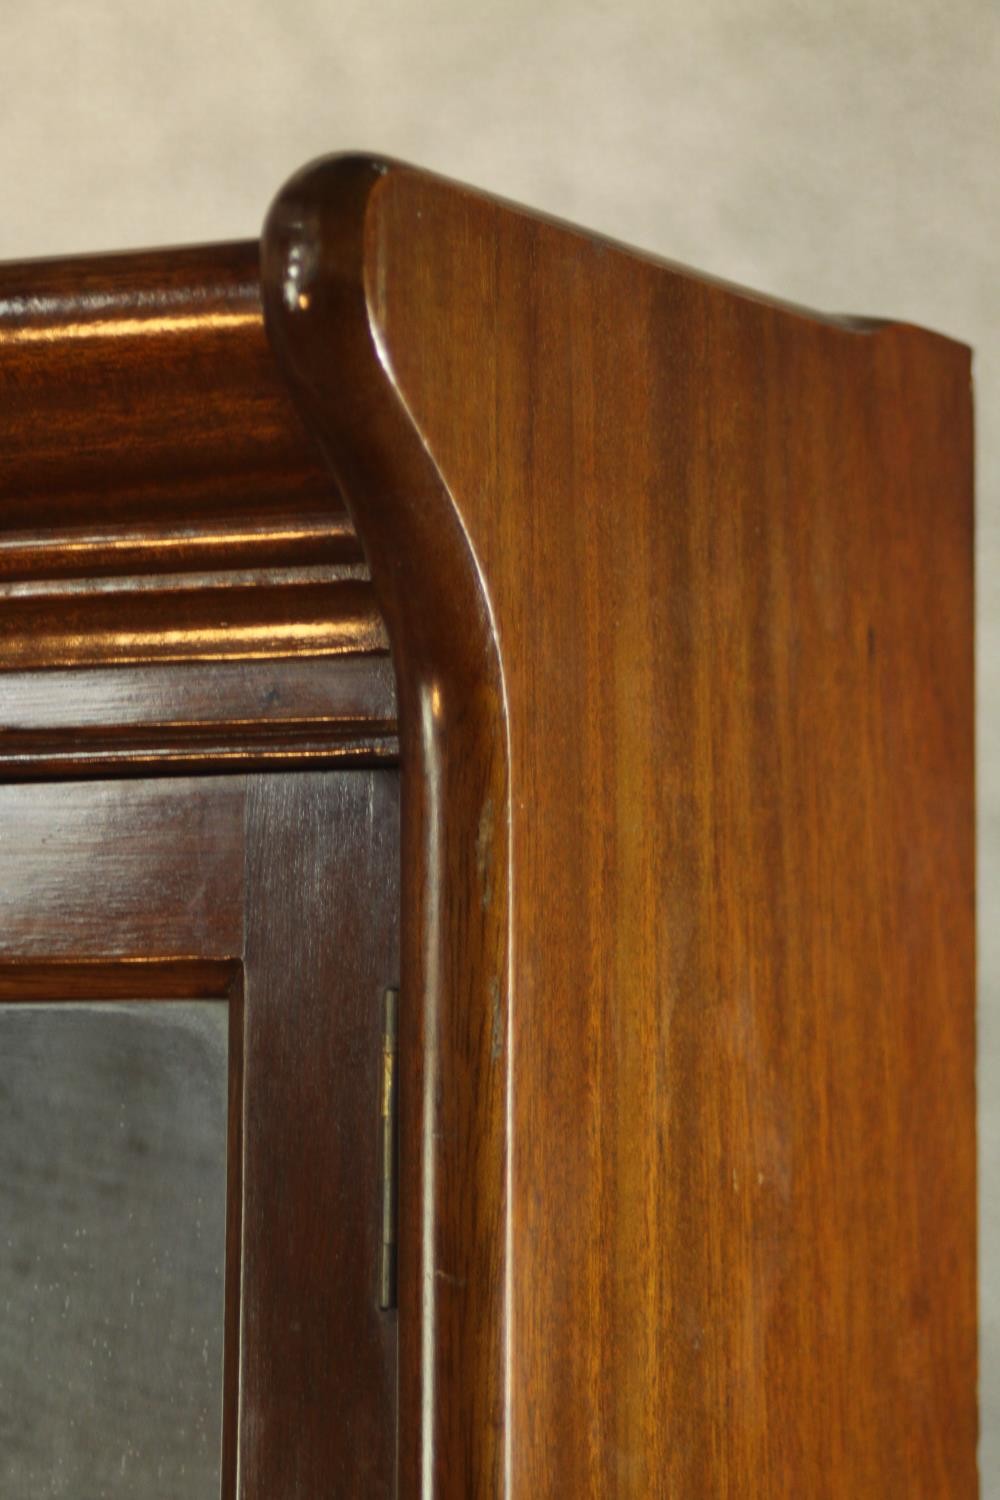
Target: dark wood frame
198,888
677,587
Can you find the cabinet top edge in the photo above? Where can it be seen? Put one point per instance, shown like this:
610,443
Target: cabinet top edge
208,277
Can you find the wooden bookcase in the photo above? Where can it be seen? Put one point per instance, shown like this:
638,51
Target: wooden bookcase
437,594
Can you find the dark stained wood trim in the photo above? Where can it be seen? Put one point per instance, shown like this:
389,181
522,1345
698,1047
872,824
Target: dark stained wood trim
317,1356
181,589
62,843
34,980
241,619
229,752
160,499
278,894
678,589
235,1149
144,424
164,719
199,544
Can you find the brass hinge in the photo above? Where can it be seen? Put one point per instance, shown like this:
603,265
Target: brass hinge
388,1151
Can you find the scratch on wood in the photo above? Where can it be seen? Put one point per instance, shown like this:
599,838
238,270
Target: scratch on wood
496,1012
484,853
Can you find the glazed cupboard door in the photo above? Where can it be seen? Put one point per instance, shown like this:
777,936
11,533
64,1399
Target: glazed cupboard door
192,975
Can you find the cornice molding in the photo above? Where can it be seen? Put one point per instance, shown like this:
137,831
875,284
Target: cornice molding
162,508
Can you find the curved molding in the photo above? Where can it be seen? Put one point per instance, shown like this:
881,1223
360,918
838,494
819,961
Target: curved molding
212,716
144,426
671,576
159,497
180,586
454,1244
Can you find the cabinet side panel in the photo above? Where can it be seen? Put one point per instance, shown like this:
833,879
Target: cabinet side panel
728,550
688,1161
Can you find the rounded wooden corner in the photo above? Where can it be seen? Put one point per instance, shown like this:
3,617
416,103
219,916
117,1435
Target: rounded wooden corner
320,262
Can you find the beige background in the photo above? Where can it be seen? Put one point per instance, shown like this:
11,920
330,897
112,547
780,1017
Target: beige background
845,155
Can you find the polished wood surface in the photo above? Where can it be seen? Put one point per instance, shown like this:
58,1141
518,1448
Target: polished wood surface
198,716
280,893
317,1376
159,497
678,588
224,618
177,571
145,425
144,869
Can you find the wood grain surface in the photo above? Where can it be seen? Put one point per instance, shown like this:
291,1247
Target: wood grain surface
678,587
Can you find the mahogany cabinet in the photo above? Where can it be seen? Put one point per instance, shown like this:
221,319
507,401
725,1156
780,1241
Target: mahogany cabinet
435,597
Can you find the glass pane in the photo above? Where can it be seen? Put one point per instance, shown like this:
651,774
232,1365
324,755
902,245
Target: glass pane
112,1247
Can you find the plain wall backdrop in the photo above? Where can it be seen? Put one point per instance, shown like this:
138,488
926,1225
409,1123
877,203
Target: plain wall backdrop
845,156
